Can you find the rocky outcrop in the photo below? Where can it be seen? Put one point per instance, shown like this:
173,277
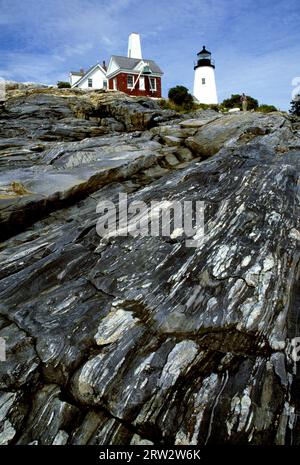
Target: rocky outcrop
143,340
49,172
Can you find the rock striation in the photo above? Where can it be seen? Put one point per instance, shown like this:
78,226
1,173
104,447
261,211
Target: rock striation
142,340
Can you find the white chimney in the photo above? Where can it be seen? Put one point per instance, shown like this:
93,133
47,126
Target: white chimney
134,46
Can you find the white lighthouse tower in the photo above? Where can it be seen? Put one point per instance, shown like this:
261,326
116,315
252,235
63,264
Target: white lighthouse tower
205,89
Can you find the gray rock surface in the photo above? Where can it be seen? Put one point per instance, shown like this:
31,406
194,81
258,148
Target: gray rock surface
142,340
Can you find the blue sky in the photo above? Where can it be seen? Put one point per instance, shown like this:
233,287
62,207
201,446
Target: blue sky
256,44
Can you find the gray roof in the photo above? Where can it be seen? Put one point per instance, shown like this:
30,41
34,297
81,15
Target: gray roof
94,66
79,73
130,63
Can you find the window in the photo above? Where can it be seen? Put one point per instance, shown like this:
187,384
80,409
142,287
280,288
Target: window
115,84
203,81
129,81
90,82
142,83
104,84
152,84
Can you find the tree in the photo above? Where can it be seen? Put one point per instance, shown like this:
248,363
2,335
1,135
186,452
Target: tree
63,85
181,97
295,106
235,102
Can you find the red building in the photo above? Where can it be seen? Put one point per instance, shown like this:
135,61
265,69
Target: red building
134,76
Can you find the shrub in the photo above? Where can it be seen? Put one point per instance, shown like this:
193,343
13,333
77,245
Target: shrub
63,85
205,106
188,103
180,96
266,108
235,102
188,106
295,106
164,104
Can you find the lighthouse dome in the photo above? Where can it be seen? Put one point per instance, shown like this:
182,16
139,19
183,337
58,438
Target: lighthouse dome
204,52
204,58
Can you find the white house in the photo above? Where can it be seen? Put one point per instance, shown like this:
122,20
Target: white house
94,78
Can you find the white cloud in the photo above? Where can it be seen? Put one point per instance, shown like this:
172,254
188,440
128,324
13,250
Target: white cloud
33,68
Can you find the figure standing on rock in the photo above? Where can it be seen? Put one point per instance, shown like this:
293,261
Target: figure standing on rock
244,101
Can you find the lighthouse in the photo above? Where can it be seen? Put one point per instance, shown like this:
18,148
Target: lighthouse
205,89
